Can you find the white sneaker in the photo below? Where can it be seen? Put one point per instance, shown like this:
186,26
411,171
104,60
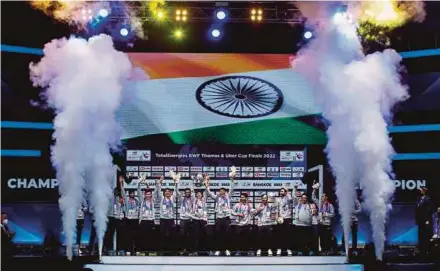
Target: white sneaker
278,252
228,253
217,253
289,252
269,252
259,252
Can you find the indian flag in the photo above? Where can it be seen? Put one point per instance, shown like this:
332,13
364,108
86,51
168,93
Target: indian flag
219,98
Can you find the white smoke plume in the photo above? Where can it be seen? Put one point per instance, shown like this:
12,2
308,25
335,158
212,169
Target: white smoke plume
83,83
356,94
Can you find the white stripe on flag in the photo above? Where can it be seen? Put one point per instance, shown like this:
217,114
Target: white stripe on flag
170,105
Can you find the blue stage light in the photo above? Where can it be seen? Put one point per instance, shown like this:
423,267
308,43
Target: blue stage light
221,15
124,32
215,33
308,34
103,13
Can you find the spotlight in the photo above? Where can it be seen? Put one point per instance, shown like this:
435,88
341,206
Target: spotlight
178,34
215,33
308,34
257,14
160,15
124,32
103,12
221,15
181,15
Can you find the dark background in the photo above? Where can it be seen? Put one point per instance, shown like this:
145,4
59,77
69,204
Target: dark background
23,26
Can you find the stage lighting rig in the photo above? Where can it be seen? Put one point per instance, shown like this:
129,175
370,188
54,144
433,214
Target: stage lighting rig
181,15
256,15
221,12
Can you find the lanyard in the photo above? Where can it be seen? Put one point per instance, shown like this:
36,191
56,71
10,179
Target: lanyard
147,204
167,202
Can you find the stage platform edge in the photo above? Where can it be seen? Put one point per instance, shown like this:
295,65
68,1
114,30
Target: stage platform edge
303,263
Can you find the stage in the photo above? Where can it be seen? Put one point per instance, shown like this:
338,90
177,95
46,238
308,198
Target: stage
131,263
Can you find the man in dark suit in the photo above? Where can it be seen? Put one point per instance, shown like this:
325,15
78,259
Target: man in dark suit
7,236
423,220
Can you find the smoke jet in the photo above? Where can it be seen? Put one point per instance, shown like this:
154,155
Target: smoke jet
356,94
83,84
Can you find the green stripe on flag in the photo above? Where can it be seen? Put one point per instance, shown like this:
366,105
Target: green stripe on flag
268,131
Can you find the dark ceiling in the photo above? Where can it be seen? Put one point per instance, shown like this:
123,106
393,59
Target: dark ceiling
24,26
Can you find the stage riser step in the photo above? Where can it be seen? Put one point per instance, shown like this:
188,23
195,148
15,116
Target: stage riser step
309,267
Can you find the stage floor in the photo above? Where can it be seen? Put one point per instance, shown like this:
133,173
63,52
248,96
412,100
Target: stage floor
303,263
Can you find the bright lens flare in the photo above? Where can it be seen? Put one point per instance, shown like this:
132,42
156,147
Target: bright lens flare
383,13
178,34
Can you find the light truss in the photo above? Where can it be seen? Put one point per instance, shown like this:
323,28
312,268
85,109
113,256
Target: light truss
273,12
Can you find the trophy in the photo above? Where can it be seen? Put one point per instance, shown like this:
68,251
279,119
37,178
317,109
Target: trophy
197,179
233,172
175,177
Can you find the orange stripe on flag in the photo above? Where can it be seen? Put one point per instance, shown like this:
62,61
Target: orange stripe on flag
175,65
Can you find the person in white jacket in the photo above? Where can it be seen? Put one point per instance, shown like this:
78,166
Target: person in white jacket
80,224
199,222
243,219
264,221
222,215
303,216
131,218
186,202
326,214
167,204
284,228
147,238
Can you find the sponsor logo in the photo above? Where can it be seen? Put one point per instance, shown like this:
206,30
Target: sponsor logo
182,169
222,169
260,175
285,175
196,168
157,174
168,168
144,168
290,156
132,174
221,174
259,169
156,168
208,168
297,174
236,168
272,174
210,174
298,169
409,184
272,169
144,174
285,169
32,183
248,169
247,174
131,168
184,174
138,155
262,184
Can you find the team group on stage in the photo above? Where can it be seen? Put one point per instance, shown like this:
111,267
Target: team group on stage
287,222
